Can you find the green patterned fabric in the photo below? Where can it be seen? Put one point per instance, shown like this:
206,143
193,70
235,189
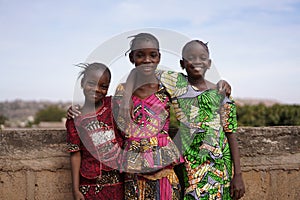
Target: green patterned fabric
204,118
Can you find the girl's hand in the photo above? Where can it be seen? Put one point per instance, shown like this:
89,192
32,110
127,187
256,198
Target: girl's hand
125,109
237,187
78,195
224,88
73,111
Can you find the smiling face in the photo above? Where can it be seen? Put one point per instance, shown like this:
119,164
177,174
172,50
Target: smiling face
196,60
95,85
145,57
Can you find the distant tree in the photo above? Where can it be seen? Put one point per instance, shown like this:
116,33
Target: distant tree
261,115
174,123
289,115
274,115
51,113
246,115
3,119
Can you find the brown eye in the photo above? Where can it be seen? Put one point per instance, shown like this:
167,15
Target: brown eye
191,58
203,58
139,55
104,87
90,83
154,55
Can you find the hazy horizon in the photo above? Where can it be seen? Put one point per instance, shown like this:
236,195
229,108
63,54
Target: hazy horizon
244,99
254,45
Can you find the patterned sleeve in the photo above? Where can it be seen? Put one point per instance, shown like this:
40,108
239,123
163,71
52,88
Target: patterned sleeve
120,90
120,121
228,116
73,139
174,82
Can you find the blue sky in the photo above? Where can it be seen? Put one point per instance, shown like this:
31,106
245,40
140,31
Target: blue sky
254,45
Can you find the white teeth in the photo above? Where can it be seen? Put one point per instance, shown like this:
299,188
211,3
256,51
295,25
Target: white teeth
198,66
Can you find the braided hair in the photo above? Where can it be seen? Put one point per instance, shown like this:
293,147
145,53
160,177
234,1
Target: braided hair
204,45
92,67
142,37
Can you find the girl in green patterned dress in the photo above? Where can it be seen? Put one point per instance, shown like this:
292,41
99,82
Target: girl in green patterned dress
207,129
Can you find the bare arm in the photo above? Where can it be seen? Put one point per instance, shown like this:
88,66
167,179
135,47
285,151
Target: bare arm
75,159
125,105
237,187
130,84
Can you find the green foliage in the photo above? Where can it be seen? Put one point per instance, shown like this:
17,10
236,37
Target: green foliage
261,115
3,119
174,123
51,113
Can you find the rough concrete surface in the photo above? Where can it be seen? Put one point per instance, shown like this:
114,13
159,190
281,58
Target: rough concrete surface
35,166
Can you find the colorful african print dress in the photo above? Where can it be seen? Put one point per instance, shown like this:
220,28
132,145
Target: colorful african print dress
96,137
149,153
204,118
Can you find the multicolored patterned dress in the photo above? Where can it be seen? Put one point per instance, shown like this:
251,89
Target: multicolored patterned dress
149,153
204,118
97,138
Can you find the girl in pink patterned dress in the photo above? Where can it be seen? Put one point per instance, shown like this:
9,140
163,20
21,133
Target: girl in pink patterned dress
149,153
93,140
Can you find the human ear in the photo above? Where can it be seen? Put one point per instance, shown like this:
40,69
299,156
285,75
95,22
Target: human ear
209,63
131,57
82,83
182,64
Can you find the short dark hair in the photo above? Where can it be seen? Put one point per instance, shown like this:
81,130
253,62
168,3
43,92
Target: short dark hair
142,37
205,46
86,67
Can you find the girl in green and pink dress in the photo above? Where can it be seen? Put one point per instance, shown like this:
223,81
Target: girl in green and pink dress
207,126
207,129
149,152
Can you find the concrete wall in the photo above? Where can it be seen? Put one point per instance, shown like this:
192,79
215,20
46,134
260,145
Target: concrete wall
35,165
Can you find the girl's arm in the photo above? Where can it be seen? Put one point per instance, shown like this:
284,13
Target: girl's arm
224,88
73,141
125,103
237,187
75,160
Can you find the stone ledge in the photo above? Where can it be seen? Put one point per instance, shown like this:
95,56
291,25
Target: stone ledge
34,163
45,149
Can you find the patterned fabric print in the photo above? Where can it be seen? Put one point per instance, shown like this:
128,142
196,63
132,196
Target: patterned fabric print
208,164
148,147
150,115
229,118
72,147
109,182
145,155
147,189
174,82
137,187
109,192
98,140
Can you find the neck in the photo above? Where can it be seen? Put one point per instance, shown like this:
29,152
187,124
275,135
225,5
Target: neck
146,81
200,83
91,107
196,81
